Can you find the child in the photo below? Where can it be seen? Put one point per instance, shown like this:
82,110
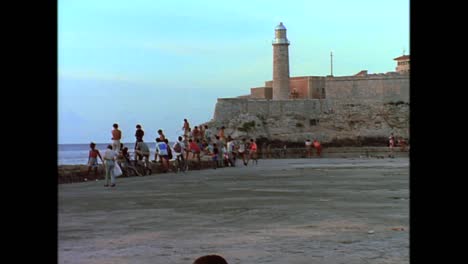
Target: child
92,158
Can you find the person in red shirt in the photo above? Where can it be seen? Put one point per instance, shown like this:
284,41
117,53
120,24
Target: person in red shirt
318,147
92,158
253,152
195,150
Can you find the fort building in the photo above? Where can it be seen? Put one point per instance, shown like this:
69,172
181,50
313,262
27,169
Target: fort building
293,108
382,86
403,64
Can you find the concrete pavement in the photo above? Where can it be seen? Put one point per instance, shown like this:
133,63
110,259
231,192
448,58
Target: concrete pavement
282,211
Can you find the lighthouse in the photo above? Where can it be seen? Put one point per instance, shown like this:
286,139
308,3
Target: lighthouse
280,64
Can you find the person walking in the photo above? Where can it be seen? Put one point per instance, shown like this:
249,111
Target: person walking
109,162
230,151
241,150
92,158
253,152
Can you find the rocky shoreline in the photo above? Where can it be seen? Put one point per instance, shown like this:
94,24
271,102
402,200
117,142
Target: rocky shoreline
78,173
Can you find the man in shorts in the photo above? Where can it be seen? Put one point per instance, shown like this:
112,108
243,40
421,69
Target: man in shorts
161,150
195,150
116,137
230,151
143,153
92,158
253,152
241,150
179,148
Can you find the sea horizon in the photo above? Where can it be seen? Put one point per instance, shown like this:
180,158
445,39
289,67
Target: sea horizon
77,153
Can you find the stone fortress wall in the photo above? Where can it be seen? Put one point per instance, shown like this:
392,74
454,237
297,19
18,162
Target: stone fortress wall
381,87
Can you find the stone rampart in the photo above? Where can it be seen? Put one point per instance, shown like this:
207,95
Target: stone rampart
389,87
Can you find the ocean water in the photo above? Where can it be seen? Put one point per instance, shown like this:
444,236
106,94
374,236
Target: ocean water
75,154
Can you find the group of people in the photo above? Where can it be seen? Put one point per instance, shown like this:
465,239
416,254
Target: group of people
313,144
194,143
394,142
223,151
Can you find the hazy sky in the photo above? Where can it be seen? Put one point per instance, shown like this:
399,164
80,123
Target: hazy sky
157,62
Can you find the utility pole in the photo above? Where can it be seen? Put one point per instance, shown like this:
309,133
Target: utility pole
331,63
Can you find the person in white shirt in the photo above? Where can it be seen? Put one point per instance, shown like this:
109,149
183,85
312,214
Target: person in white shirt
230,151
179,148
161,150
308,145
208,134
109,161
241,150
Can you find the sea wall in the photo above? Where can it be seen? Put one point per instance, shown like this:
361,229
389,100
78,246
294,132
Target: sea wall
78,173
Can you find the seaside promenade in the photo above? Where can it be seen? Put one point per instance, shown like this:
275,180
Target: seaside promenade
296,211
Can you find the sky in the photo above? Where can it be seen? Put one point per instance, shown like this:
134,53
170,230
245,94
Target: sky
154,62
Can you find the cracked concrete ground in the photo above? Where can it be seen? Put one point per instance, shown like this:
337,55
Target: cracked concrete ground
294,211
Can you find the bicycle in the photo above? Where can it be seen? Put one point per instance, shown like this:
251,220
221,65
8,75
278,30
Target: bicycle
182,164
134,168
